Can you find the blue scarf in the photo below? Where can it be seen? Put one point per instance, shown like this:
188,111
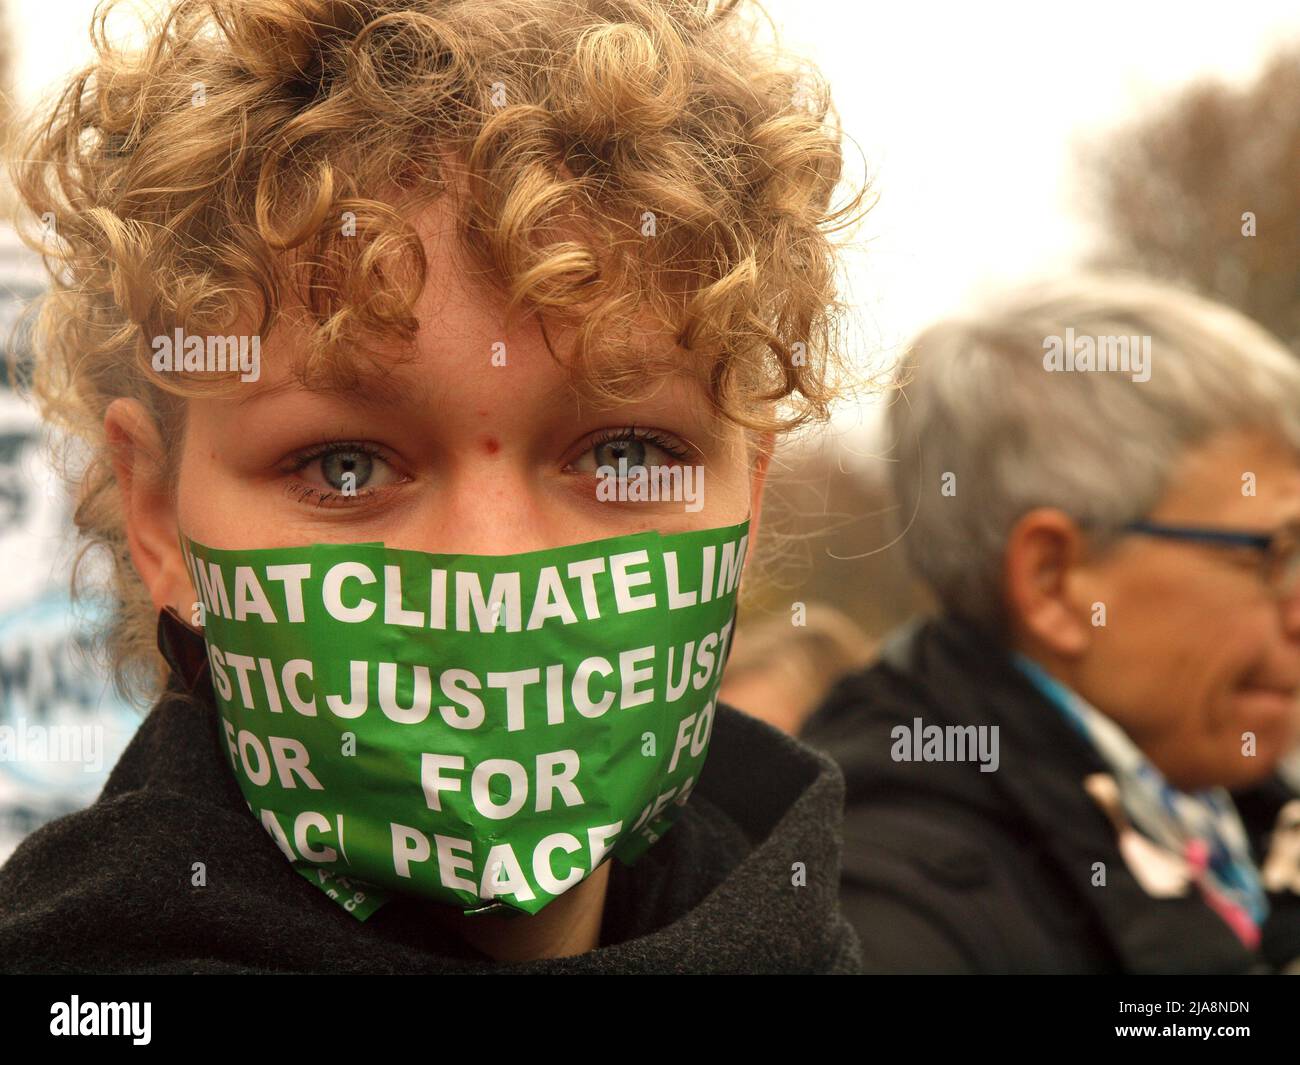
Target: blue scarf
1203,826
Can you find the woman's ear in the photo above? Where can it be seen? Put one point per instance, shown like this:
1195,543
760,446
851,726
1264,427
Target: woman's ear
148,504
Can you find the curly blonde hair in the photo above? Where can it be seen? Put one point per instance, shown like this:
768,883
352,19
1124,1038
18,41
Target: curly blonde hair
696,164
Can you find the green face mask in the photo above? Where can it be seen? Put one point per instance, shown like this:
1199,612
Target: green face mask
482,730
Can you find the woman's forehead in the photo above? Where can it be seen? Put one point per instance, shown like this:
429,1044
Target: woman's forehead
465,325
518,383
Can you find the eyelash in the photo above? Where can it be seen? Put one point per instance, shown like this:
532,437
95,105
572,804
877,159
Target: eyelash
608,436
303,459
301,491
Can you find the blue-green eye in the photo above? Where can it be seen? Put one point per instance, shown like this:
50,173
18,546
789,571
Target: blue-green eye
632,452
339,470
637,447
347,469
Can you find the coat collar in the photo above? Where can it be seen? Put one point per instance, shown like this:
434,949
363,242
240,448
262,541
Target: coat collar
1040,783
183,647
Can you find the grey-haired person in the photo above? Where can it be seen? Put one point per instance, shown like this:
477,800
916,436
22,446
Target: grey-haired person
1071,767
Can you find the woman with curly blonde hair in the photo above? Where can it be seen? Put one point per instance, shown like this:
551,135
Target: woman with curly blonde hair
419,363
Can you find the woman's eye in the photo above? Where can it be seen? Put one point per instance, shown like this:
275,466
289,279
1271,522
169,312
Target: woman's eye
631,448
346,470
340,471
611,453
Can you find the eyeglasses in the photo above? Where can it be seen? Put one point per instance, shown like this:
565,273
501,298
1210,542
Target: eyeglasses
1280,550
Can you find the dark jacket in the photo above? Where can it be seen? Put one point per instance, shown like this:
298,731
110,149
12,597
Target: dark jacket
950,869
108,889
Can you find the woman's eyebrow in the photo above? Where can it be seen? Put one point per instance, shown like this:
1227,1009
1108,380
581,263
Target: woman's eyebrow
254,395
387,389
396,388
366,388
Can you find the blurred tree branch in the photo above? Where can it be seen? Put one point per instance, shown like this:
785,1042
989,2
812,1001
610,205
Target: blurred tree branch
1171,189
